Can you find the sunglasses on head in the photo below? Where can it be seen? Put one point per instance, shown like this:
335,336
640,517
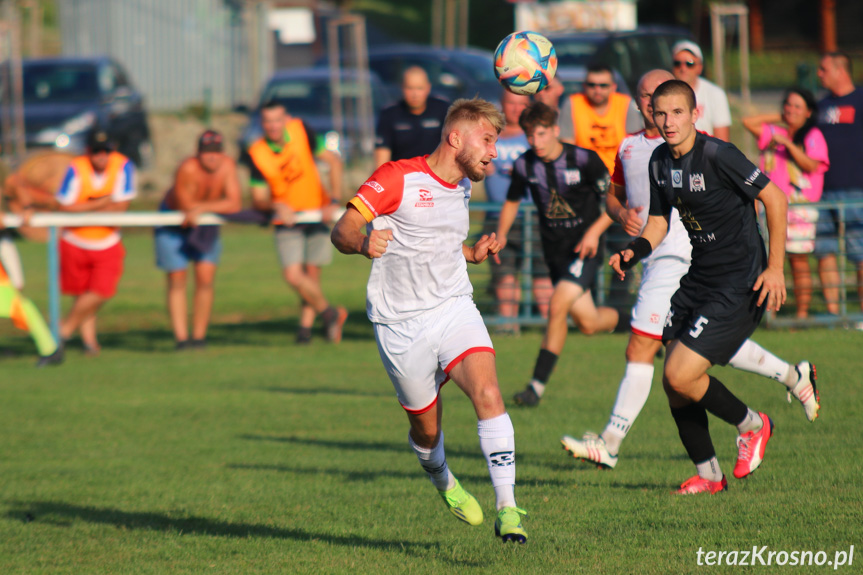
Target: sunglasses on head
687,63
597,85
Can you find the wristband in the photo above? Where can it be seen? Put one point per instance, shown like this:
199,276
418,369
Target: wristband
640,247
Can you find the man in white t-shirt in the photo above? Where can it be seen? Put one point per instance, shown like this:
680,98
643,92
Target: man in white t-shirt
714,115
661,273
419,298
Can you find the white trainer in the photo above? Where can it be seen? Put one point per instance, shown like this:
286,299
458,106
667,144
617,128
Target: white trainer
590,448
806,391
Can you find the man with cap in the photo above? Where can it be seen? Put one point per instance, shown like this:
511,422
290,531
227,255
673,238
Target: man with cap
204,183
714,115
91,257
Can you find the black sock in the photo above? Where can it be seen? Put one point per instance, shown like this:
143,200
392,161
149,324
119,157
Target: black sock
722,403
692,427
329,315
545,363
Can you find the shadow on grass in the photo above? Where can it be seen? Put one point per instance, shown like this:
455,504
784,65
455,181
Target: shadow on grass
278,333
63,514
353,445
354,475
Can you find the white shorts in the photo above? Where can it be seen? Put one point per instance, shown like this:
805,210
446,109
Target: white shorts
419,353
659,280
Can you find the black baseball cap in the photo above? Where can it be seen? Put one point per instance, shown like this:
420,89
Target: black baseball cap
99,141
210,141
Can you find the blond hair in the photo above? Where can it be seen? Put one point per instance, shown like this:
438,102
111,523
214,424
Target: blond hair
473,110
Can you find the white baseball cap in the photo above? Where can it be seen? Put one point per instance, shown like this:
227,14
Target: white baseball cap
688,46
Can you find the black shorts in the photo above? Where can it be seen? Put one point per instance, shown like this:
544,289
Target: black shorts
564,264
711,321
511,256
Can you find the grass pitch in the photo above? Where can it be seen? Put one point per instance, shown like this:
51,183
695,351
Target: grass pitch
258,456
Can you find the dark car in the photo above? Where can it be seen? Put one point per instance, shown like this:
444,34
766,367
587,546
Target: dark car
453,72
66,98
631,52
306,94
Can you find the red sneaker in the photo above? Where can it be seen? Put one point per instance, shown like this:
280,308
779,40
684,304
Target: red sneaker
750,448
334,328
698,484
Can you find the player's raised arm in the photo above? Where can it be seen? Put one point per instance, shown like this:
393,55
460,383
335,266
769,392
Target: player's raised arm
348,237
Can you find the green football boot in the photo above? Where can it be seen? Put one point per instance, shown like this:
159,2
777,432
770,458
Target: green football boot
462,504
508,525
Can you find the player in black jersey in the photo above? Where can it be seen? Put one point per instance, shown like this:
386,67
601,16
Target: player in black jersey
568,186
728,287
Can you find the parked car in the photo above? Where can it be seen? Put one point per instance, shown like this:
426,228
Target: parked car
453,72
66,98
306,94
631,52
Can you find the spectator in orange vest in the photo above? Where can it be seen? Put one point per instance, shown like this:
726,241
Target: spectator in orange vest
285,180
599,118
91,257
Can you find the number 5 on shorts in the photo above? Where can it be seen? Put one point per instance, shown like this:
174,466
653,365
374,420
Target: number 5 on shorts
699,326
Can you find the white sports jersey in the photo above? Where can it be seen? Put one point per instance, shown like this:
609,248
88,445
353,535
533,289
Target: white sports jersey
712,104
424,264
630,170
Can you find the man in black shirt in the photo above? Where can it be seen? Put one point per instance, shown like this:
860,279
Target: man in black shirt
721,299
412,127
568,186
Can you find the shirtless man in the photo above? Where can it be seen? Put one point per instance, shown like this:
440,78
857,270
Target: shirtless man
206,182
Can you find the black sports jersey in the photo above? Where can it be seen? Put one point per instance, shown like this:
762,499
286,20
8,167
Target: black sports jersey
713,187
409,135
569,192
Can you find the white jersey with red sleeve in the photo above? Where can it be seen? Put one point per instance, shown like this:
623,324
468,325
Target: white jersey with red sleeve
631,171
424,264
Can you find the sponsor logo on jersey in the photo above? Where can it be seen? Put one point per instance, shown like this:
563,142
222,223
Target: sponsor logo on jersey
430,123
627,152
696,182
426,199
677,178
572,177
374,185
752,177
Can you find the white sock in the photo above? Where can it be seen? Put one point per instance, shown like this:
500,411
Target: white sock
631,397
754,358
434,462
709,469
497,441
538,387
752,422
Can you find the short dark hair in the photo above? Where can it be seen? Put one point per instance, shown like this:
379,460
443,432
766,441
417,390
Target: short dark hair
811,105
272,104
674,88
842,60
599,67
537,114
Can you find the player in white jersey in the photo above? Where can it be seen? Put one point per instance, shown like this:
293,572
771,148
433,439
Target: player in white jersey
428,330
661,273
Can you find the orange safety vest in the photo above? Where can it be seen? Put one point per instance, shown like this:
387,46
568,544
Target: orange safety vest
85,172
602,134
291,173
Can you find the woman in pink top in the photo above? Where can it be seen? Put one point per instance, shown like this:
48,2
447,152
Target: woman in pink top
794,157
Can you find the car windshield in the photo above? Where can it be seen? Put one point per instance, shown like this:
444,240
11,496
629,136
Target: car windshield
574,52
480,68
51,83
306,97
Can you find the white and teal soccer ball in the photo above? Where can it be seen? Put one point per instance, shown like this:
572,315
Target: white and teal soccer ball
525,62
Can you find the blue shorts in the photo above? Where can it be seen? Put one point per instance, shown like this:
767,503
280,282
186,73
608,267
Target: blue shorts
174,251
827,228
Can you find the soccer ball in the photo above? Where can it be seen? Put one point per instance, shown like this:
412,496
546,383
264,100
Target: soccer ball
525,62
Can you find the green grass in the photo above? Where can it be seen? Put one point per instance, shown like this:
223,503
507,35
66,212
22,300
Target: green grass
256,456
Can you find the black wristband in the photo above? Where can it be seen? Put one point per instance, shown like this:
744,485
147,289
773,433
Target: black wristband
640,247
